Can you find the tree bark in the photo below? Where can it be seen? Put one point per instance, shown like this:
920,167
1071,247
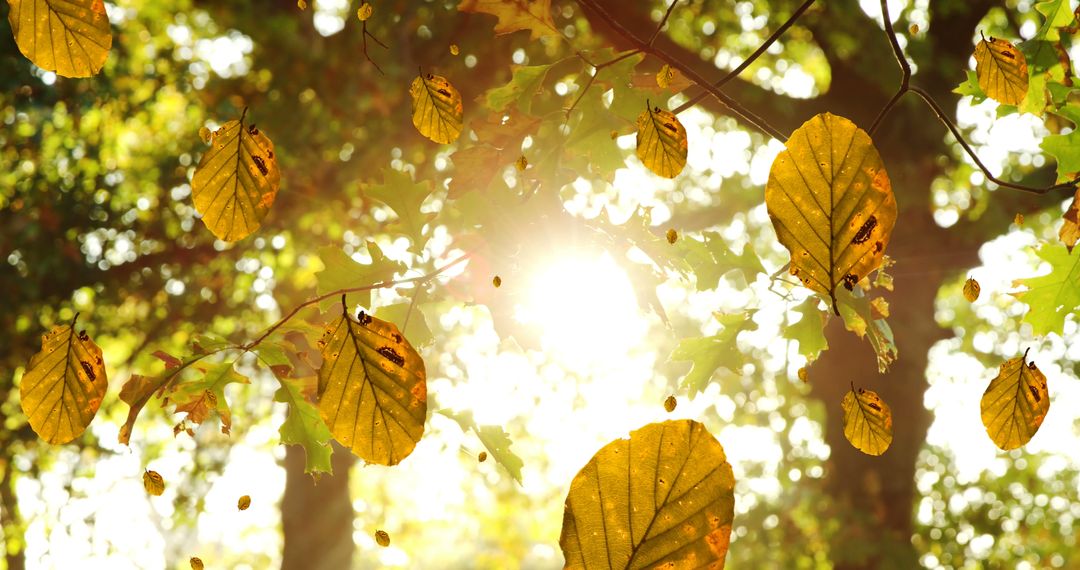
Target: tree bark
10,521
317,518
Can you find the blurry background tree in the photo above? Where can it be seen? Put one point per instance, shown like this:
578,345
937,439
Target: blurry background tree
97,217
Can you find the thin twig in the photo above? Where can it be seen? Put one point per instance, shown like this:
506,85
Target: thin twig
746,63
596,72
366,35
901,60
663,21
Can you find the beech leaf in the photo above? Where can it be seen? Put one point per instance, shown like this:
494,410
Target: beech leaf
867,421
70,37
661,142
1015,403
515,15
1001,70
436,108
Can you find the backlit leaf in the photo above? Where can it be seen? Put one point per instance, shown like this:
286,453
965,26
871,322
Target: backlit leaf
364,11
382,538
664,498
514,15
1015,403
525,82
1070,227
137,392
809,331
70,37
243,503
867,421
204,396
661,142
372,388
436,108
405,197
711,353
196,562
495,440
831,204
971,290
153,483
1001,70
521,163
341,271
304,425
1054,296
862,318
63,385
670,403
672,236
665,76
236,181
482,457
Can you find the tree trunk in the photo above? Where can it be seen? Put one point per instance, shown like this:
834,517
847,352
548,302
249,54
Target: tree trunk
10,522
317,518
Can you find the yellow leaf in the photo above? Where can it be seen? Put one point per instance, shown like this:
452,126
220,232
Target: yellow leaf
372,388
1070,228
521,163
664,76
437,110
831,203
672,236
661,142
804,375
1018,219
496,281
454,49
70,37
153,483
914,29
382,538
867,421
971,290
364,12
1015,403
236,181
62,388
195,561
482,457
664,498
1001,70
205,134
514,15
302,4
670,403
243,503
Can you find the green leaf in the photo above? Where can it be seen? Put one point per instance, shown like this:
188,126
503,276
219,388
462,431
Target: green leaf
970,87
515,15
1054,296
343,272
418,332
204,395
810,330
474,169
713,352
494,439
861,318
1057,14
404,197
1066,150
1015,403
710,259
70,37
525,82
303,425
591,127
664,498
868,424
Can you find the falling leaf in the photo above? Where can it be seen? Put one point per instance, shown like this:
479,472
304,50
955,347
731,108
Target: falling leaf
1054,296
670,403
372,388
243,503
382,538
514,15
364,12
495,440
914,29
436,108
454,49
63,385
1015,403
1019,219
1002,71
831,204
496,281
971,290
70,37
302,4
521,163
803,374
482,457
672,236
664,498
661,142
236,181
304,425
867,421
196,562
153,483
664,76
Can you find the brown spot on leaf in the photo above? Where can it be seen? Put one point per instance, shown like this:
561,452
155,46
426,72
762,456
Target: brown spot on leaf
253,131
88,369
363,318
82,336
864,232
849,281
392,355
1035,393
260,164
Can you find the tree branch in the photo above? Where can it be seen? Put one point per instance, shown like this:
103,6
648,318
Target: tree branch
901,60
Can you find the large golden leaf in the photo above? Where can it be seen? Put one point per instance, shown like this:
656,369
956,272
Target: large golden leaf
372,388
70,37
436,108
236,181
1015,403
661,142
62,388
867,421
662,499
514,15
831,203
1001,70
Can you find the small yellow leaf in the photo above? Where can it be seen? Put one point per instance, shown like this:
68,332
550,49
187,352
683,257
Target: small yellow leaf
804,375
496,281
70,37
382,538
914,29
1015,403
1001,70
243,503
670,403
437,110
196,562
153,483
971,290
672,236
302,4
205,134
364,12
521,163
664,76
454,49
1070,228
879,308
661,142
1019,219
867,421
482,457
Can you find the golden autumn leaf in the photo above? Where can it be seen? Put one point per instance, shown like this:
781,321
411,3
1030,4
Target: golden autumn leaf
515,15
153,483
1015,403
302,4
195,561
243,503
971,290
482,457
1001,70
1070,228
661,142
70,37
496,281
672,236
437,111
382,538
364,11
454,49
831,203
372,388
664,498
63,385
236,181
867,421
670,403
521,163
665,76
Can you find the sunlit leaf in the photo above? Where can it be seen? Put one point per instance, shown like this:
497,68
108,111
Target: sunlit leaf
1054,296
243,502
1066,150
1069,233
410,320
809,331
514,15
203,396
236,181
454,49
1001,70
661,142
521,163
860,317
971,290
867,421
474,169
153,483
665,76
137,392
436,108
1015,403
382,538
364,12
195,561
670,403
341,271
304,425
495,440
664,498
711,258
831,204
672,236
372,388
63,385
525,82
70,37
711,353
496,281
405,197
482,457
